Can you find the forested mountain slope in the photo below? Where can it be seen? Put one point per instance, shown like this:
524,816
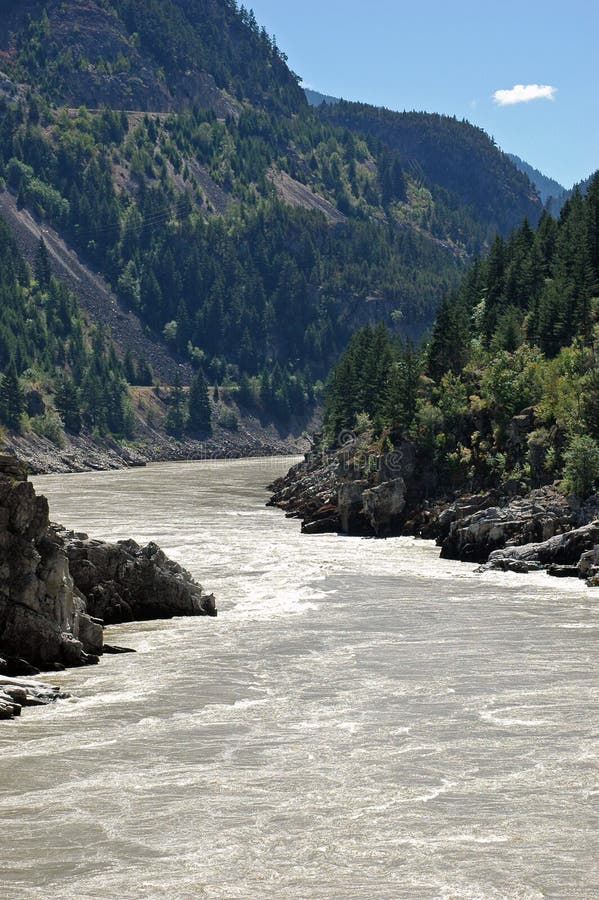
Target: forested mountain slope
170,146
146,54
449,154
507,390
547,188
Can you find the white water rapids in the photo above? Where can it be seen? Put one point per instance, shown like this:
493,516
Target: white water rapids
363,720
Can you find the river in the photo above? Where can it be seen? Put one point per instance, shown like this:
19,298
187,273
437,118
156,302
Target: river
363,719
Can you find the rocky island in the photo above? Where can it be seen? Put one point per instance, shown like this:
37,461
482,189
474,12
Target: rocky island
58,589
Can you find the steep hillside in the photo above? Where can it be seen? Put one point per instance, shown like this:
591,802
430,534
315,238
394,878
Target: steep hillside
451,155
547,187
144,54
232,235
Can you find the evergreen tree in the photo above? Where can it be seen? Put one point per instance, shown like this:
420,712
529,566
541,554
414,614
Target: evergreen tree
42,266
199,405
130,368
176,418
12,401
67,403
145,375
449,346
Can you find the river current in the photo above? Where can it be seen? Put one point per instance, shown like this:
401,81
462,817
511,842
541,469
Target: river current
363,719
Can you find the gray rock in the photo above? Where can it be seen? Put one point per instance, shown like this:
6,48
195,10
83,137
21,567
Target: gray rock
588,564
123,582
15,693
57,588
536,518
563,553
328,525
350,505
383,506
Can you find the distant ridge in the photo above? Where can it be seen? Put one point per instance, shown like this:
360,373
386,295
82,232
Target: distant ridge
547,187
314,98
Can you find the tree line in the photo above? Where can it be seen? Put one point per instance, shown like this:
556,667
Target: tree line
507,385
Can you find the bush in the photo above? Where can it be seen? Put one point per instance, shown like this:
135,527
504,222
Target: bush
581,469
227,418
50,426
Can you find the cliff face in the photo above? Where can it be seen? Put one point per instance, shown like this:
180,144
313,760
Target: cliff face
57,588
43,617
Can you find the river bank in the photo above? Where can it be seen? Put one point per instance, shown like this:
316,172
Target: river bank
59,588
88,452
508,528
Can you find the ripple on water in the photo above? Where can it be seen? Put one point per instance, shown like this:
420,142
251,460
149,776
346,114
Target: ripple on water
362,720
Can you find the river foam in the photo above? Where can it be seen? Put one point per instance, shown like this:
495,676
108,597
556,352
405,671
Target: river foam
362,720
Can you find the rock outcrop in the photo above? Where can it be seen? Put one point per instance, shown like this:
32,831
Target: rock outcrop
383,506
473,536
574,553
384,494
124,582
15,693
351,491
43,617
58,589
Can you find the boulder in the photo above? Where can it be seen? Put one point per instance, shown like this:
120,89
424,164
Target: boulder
383,506
558,571
16,693
588,564
538,517
123,582
330,525
570,554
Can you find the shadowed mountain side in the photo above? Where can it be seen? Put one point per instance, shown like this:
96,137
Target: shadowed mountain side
92,291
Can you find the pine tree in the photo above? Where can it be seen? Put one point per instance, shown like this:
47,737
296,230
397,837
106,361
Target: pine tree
130,368
175,417
67,403
42,266
448,349
12,401
199,405
145,375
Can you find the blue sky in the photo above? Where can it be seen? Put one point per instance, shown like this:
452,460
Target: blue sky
452,57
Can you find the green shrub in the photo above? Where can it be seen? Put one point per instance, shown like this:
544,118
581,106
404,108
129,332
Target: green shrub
50,426
227,418
581,469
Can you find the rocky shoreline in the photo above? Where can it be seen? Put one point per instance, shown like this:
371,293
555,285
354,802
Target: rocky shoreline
385,494
87,453
58,589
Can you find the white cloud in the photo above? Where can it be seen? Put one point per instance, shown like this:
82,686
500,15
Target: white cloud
524,93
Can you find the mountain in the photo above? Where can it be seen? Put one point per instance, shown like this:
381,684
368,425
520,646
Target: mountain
168,147
314,98
547,187
146,55
452,155
557,203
